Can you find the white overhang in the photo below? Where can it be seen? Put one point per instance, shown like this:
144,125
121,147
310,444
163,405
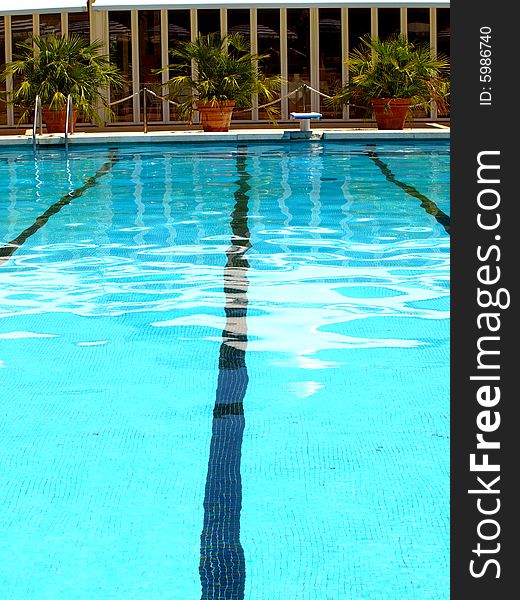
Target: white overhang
179,4
28,7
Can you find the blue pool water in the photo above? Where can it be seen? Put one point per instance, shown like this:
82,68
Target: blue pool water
225,372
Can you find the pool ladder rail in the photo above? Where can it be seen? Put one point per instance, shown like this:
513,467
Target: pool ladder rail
39,120
37,117
68,121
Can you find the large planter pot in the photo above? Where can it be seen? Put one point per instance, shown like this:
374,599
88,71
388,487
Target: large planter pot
390,112
55,120
216,116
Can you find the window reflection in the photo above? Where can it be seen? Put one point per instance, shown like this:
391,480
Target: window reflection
179,29
3,105
268,40
298,57
358,26
208,21
443,31
120,44
388,22
419,34
330,59
50,24
79,24
239,22
419,25
21,29
149,30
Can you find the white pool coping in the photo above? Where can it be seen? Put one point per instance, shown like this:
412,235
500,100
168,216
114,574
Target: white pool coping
236,135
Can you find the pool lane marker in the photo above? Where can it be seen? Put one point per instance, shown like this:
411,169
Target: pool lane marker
429,205
222,561
7,250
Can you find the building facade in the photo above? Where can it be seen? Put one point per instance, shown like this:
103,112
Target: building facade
306,42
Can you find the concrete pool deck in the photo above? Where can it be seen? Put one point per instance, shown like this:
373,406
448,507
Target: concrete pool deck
280,134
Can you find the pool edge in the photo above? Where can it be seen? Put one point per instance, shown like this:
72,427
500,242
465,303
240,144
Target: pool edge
241,135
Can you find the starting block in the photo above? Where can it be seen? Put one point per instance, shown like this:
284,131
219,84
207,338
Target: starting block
305,119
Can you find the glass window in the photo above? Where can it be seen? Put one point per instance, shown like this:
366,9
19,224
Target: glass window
358,26
268,40
419,25
120,44
79,24
50,24
330,58
239,22
388,22
149,30
208,21
179,29
3,105
298,57
21,29
443,31
419,34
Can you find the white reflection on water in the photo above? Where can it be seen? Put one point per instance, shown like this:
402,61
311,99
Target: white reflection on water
14,335
304,389
325,261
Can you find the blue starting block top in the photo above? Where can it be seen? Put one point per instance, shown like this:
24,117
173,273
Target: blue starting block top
306,115
305,119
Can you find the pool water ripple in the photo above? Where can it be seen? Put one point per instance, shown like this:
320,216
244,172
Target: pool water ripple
226,369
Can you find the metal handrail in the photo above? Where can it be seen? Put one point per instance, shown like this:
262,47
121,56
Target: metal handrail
37,113
68,117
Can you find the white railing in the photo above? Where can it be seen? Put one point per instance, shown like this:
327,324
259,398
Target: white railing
69,118
37,115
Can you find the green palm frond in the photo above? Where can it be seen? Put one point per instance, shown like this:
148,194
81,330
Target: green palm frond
396,68
53,67
225,69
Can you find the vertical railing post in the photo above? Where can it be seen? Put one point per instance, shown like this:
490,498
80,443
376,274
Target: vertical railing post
145,116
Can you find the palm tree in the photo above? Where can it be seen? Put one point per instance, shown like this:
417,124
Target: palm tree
225,72
395,68
52,67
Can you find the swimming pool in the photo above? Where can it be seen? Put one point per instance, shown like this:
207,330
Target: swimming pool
225,369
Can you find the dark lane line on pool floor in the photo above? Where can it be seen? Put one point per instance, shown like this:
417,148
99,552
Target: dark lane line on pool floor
429,205
7,250
222,561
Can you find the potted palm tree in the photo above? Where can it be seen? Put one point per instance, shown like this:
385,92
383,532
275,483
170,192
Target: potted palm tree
226,76
392,76
54,67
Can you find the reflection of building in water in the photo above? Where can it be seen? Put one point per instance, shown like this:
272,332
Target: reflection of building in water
286,192
304,44
167,198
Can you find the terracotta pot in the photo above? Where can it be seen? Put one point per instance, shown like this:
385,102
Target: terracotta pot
55,120
390,112
216,116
